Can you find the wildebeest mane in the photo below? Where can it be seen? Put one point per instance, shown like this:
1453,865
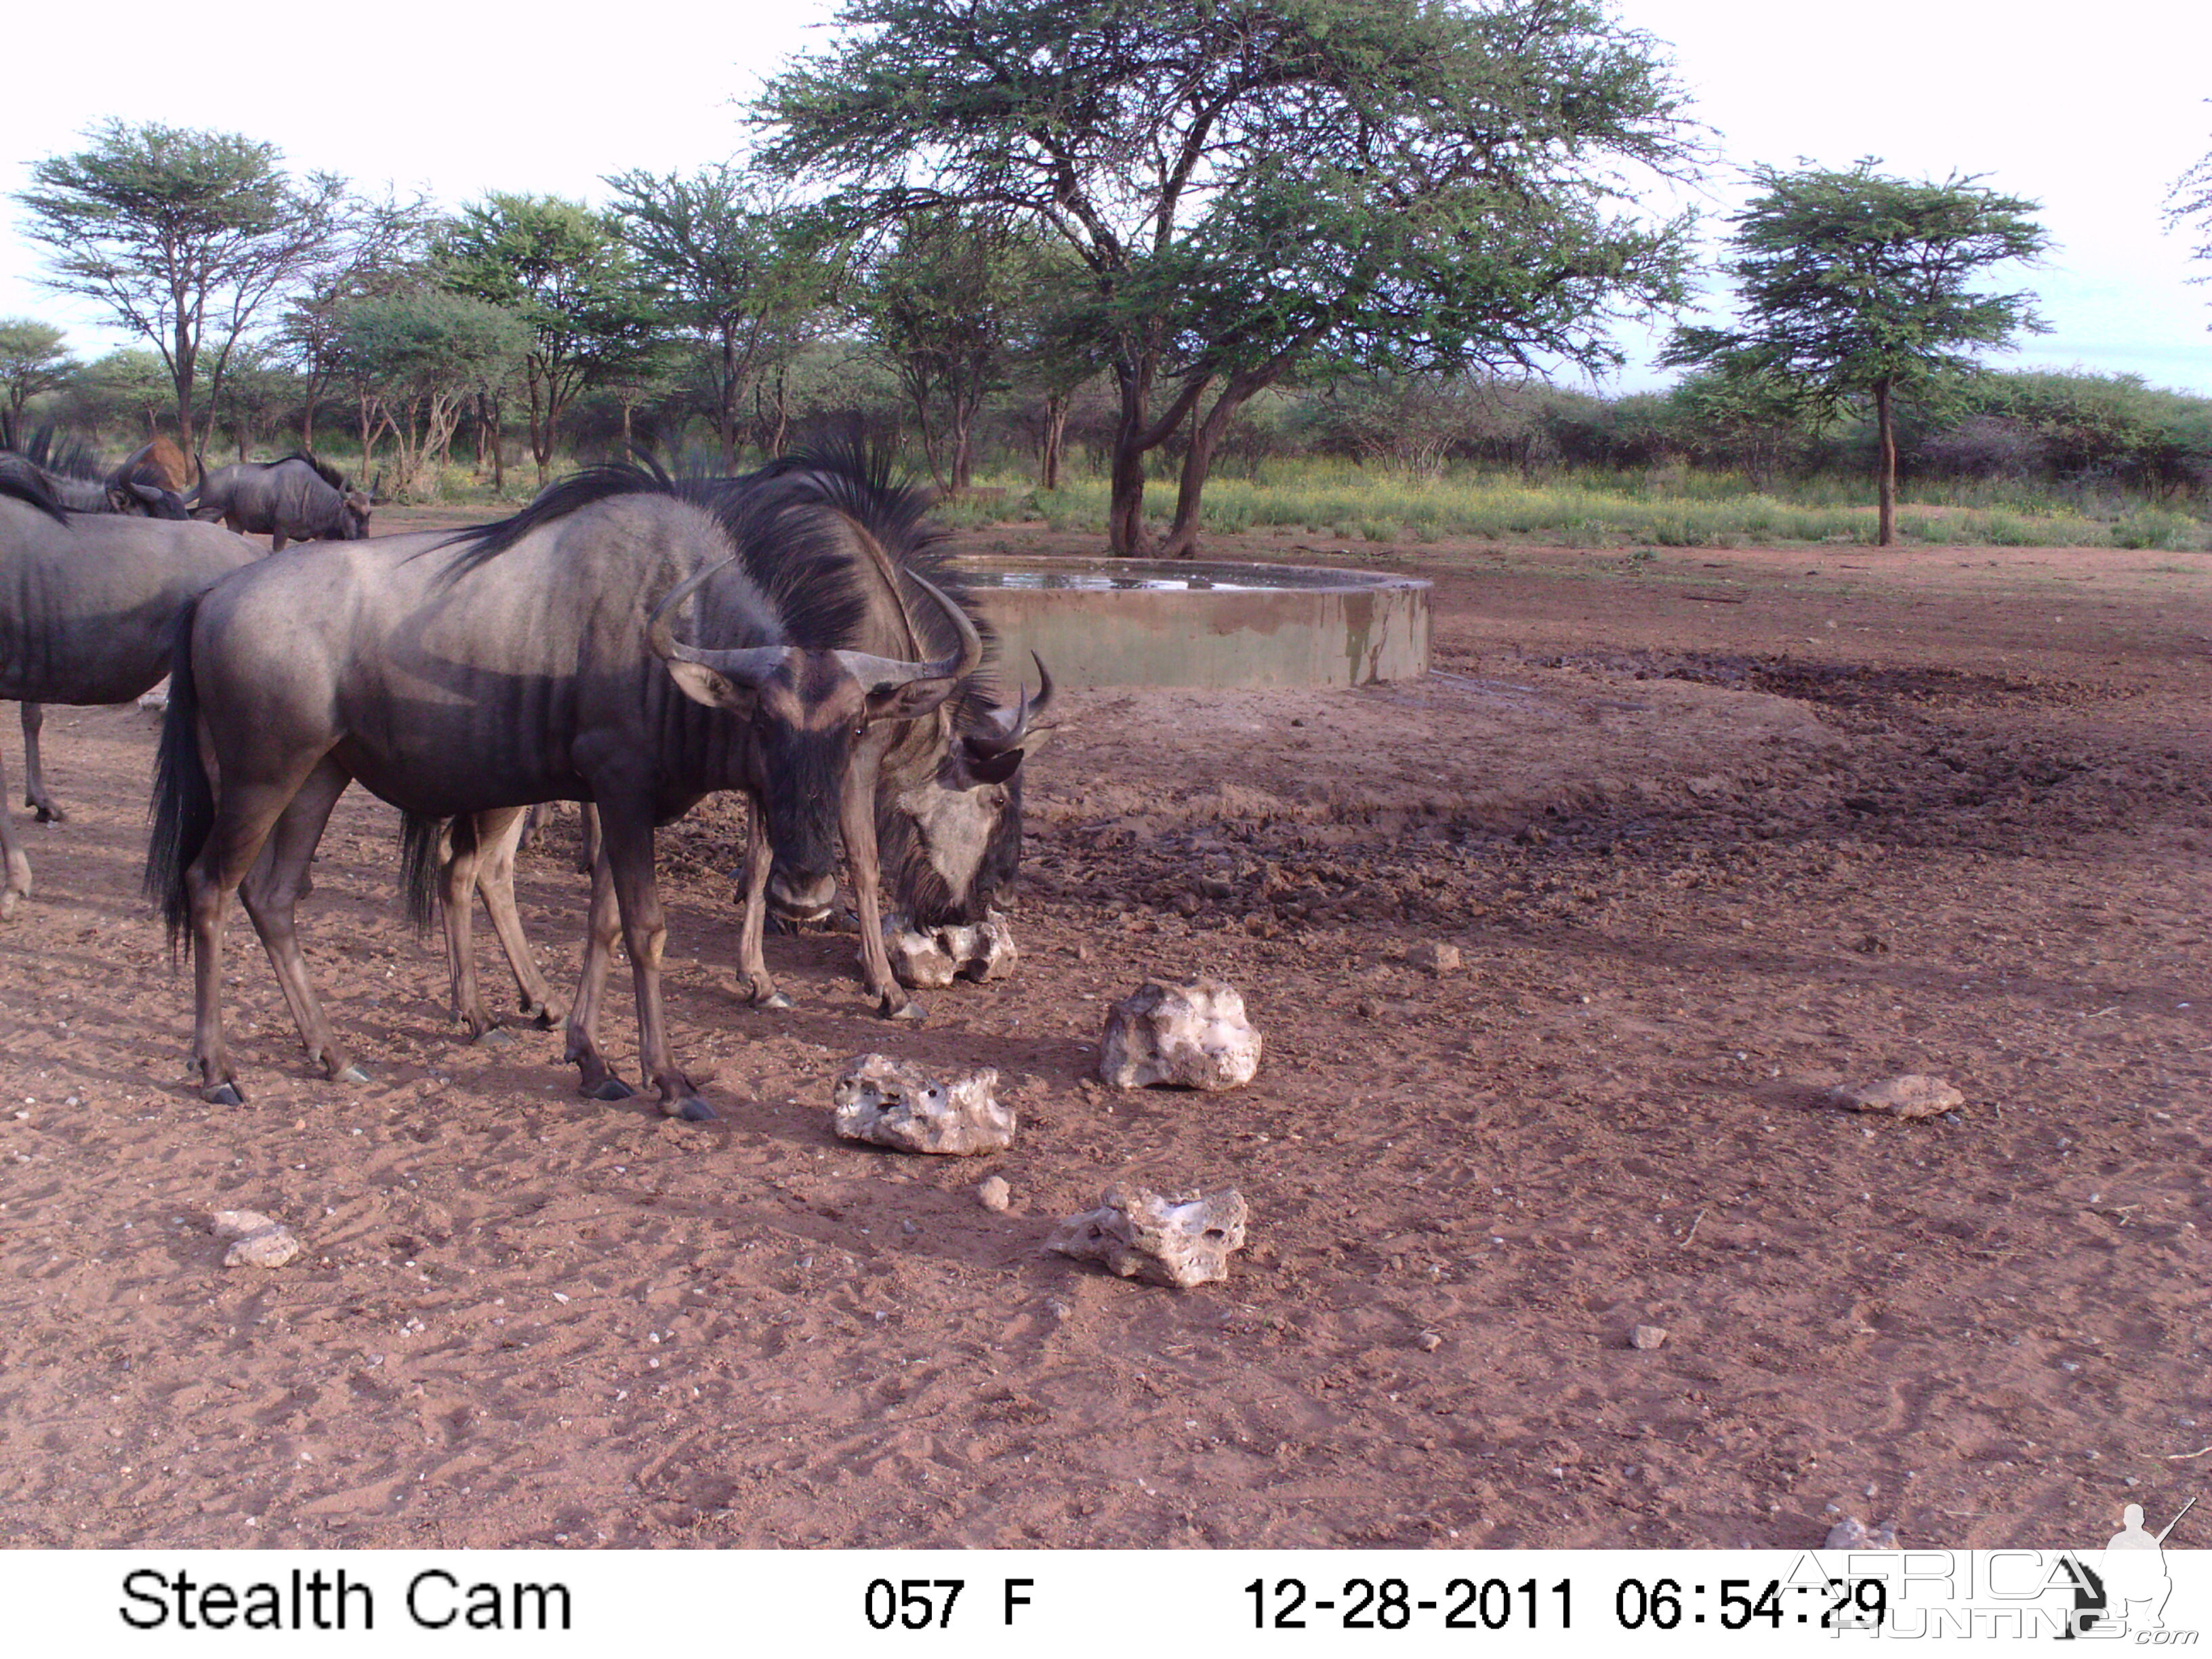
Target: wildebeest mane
329,474
21,480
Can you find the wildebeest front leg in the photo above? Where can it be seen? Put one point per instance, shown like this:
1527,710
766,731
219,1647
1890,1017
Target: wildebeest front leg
599,1079
496,881
34,774
752,954
626,836
856,818
17,886
271,892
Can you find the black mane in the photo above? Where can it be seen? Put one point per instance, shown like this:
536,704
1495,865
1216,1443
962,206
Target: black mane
21,480
329,474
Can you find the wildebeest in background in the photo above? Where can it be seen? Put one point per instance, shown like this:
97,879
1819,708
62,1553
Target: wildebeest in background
532,663
298,498
944,790
71,474
89,603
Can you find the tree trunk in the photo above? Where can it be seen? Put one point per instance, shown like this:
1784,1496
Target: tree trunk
1886,481
1055,439
1206,437
726,403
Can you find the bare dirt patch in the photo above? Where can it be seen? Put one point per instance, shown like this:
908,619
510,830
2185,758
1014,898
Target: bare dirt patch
1712,833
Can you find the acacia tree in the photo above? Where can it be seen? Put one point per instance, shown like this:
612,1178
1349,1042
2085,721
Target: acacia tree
33,359
378,248
417,359
1402,185
1854,288
2190,203
183,235
739,268
564,269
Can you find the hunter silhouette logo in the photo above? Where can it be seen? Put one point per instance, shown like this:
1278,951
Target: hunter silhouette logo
2126,1590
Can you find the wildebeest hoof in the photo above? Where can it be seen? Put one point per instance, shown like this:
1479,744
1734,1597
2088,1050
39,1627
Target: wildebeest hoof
690,1108
48,813
351,1075
610,1087
542,1016
223,1094
11,901
909,1010
775,999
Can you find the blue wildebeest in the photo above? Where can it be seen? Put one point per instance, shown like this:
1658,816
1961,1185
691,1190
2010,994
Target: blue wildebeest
297,499
88,603
74,478
532,663
937,800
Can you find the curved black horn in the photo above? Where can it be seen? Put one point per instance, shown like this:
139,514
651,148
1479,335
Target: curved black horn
879,672
1010,727
749,666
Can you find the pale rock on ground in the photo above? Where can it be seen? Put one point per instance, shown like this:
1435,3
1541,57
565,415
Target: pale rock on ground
1194,1035
928,959
1852,1533
1182,1241
1648,1337
1912,1096
994,1194
259,1241
1433,957
897,1104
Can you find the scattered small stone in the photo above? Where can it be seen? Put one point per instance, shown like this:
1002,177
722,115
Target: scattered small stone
897,1104
259,1241
1852,1533
1648,1337
1434,957
1428,1342
1194,1036
1912,1096
1181,1241
994,1194
924,959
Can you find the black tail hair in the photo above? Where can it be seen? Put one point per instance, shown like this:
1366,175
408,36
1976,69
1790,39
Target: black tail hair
182,807
21,480
422,862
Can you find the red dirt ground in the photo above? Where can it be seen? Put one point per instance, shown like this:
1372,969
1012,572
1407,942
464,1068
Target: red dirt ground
1713,831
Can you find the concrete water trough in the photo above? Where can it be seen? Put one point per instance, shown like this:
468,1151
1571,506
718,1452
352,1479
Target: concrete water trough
1143,622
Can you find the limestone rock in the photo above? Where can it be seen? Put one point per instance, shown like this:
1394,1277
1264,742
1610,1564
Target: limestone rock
1433,957
258,1241
994,1194
1181,1241
924,959
1852,1533
1648,1337
1194,1035
897,1103
1911,1095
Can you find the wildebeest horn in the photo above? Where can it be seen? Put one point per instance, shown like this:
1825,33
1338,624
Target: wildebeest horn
749,666
878,673
1009,728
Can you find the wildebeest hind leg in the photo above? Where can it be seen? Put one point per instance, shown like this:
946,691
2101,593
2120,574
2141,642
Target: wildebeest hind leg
496,845
271,892
598,1080
17,886
34,774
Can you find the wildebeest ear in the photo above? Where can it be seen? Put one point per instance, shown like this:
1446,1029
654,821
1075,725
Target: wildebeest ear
703,685
909,702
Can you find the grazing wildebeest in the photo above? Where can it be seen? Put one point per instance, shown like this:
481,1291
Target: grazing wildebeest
88,603
940,796
296,499
159,466
532,663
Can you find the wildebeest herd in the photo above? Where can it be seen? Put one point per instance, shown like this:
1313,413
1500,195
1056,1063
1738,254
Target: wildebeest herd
830,670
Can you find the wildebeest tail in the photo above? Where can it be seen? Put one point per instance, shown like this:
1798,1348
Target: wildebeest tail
183,809
422,862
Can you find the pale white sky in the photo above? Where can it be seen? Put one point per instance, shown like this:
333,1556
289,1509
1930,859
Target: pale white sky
2092,111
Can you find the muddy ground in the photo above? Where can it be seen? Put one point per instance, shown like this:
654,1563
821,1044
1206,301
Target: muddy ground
1712,832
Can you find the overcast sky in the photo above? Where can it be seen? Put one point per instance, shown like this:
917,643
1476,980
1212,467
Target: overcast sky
2092,111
